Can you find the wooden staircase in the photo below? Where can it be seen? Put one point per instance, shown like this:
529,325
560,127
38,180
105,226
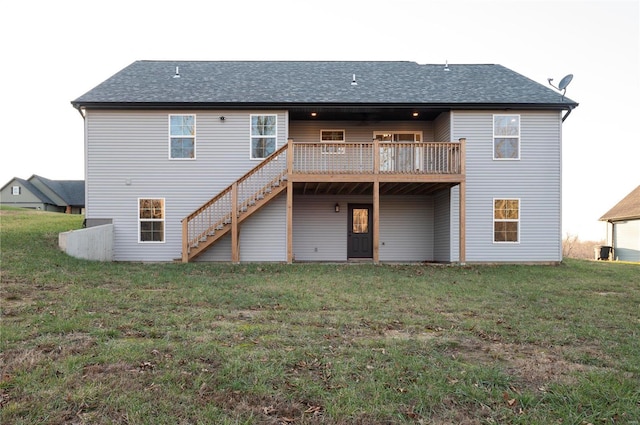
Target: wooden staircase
225,211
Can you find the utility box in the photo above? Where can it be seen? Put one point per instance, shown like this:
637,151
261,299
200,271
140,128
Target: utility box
603,252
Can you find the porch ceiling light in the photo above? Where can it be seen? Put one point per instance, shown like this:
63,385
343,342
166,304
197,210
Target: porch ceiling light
314,114
415,114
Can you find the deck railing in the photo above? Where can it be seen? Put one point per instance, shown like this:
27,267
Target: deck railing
377,158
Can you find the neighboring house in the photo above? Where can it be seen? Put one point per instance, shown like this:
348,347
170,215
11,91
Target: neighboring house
623,227
66,196
325,161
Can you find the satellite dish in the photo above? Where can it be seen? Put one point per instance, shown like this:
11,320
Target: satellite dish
565,82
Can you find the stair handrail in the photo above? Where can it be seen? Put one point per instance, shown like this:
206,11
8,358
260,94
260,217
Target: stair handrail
240,180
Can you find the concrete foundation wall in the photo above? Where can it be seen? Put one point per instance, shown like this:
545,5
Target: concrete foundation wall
94,243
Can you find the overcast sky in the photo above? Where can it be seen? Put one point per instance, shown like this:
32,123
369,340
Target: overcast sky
54,51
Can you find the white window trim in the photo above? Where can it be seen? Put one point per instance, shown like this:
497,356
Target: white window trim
381,133
493,139
164,217
251,135
16,190
195,132
339,150
493,220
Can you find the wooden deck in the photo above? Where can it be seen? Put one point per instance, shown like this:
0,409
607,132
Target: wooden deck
375,168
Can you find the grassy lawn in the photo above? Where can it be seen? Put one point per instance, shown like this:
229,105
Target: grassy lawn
129,343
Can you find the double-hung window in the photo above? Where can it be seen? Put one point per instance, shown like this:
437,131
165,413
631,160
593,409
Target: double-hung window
263,135
182,136
151,220
506,137
506,220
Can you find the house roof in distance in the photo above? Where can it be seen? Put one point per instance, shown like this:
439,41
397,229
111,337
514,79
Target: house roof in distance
31,188
290,83
627,209
71,191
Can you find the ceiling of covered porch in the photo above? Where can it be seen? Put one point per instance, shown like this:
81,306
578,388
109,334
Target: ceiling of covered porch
366,188
362,114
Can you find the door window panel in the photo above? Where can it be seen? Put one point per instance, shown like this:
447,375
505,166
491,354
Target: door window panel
360,220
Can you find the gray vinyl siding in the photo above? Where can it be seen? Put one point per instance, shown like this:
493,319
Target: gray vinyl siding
442,226
535,179
454,204
320,234
627,240
442,128
406,228
128,158
358,132
263,236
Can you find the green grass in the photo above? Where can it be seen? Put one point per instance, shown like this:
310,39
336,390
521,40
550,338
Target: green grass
101,343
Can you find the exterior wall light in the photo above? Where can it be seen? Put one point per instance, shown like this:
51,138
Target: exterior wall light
337,207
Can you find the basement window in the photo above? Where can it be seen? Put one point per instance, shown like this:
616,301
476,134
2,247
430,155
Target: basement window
151,220
506,220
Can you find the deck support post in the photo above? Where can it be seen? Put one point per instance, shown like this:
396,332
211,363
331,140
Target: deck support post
185,240
289,222
463,223
376,201
376,221
235,248
463,204
289,202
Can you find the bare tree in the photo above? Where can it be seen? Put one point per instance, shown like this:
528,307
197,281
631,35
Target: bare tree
573,247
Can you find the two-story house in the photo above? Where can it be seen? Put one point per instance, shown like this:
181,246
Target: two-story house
325,161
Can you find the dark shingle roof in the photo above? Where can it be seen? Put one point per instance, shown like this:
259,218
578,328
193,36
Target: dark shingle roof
71,191
628,208
148,83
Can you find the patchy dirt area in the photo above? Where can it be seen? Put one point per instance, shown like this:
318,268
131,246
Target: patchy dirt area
15,360
534,367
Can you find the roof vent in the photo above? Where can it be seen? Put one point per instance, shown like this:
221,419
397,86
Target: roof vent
353,80
177,74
